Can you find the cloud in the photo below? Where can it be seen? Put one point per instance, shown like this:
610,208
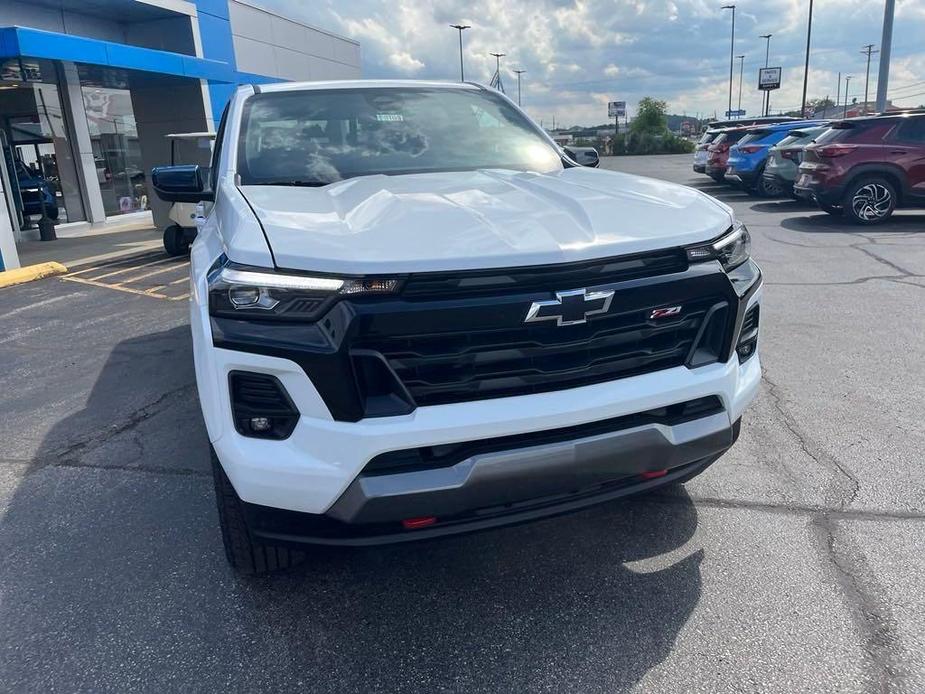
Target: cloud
579,54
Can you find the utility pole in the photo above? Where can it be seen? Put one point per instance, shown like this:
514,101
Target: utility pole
732,43
741,59
767,53
868,49
496,80
838,94
847,81
461,28
519,73
809,33
886,45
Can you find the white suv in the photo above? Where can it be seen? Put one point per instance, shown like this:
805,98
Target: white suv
412,316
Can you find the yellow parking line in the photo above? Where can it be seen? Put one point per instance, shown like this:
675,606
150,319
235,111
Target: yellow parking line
128,269
182,279
179,298
146,275
94,283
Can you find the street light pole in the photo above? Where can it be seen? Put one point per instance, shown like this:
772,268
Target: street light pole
838,93
847,81
868,49
767,54
519,73
809,33
732,43
886,45
741,59
461,28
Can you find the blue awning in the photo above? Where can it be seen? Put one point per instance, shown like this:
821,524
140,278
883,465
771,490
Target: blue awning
34,43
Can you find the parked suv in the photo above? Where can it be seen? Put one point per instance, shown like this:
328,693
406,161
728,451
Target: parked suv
700,150
865,168
748,157
718,152
784,158
412,317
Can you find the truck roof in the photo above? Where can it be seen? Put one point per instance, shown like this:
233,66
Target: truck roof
363,84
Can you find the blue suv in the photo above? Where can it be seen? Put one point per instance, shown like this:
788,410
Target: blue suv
747,158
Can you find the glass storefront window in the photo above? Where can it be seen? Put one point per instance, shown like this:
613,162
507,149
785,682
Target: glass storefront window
116,150
33,135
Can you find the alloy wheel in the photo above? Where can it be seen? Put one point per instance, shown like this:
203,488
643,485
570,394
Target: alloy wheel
872,201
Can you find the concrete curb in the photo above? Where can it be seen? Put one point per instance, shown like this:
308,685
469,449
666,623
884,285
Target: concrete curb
31,272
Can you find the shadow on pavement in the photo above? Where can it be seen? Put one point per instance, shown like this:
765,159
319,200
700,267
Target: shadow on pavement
826,223
114,578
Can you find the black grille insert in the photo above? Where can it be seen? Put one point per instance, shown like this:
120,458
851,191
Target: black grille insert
445,367
544,278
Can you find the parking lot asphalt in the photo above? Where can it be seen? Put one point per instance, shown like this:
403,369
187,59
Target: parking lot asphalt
795,564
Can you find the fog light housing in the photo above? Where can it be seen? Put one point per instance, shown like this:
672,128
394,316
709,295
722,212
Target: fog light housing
260,406
747,344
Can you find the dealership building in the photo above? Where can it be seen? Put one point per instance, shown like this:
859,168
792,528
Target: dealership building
90,88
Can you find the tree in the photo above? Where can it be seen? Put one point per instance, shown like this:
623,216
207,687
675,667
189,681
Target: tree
651,117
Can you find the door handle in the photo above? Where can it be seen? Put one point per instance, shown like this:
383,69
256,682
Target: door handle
900,151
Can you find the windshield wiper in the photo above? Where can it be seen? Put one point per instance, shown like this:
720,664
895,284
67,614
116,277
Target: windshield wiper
294,182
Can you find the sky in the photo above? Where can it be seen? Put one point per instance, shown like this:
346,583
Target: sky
580,54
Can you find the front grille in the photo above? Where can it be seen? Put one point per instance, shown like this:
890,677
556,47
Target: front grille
543,278
446,367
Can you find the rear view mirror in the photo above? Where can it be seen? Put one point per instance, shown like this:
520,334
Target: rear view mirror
186,183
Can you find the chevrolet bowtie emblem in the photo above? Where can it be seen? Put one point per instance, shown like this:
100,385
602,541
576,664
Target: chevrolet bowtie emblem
571,307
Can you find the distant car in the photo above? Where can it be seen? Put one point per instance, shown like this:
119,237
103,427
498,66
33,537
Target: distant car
748,157
700,150
35,191
586,156
718,152
784,158
866,167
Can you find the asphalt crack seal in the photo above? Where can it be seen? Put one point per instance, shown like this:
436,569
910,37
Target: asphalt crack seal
870,614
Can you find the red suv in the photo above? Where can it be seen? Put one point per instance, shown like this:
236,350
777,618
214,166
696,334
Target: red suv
718,152
865,168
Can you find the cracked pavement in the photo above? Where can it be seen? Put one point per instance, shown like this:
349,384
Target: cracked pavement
794,564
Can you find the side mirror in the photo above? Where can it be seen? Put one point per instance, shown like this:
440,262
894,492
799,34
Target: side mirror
186,183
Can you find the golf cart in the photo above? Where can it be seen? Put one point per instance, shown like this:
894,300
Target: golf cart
185,148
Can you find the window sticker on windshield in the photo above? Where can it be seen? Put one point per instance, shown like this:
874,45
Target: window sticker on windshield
390,117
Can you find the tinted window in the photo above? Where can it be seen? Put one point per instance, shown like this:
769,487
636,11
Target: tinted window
787,141
321,136
706,138
913,130
753,136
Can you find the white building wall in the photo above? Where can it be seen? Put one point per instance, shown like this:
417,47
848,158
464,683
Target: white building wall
267,44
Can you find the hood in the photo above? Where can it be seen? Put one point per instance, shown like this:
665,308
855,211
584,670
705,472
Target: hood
478,219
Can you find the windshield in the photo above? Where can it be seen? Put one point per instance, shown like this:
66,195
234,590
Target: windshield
315,137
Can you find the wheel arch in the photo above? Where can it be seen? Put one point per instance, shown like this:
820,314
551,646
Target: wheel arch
892,173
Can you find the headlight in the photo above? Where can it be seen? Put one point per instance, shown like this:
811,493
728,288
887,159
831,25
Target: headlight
237,291
731,249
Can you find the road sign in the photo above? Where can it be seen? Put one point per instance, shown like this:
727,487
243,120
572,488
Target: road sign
616,109
735,114
768,78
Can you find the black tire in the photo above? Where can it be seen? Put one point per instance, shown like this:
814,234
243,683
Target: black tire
831,209
869,200
52,212
719,178
175,242
767,189
246,555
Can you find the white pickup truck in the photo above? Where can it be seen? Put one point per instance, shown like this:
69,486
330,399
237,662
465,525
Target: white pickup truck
413,316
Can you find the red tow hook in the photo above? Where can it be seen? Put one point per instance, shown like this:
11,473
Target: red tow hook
653,474
415,523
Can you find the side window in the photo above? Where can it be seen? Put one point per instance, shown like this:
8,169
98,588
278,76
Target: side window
913,130
217,151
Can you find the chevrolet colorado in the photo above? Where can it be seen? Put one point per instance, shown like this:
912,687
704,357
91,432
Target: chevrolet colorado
413,315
